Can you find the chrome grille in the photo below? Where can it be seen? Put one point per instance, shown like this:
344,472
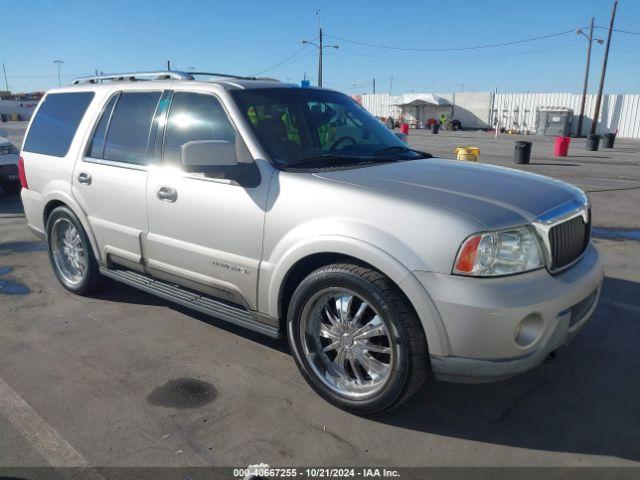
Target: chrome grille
568,240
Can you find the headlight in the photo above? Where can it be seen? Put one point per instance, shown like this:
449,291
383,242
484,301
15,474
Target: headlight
499,253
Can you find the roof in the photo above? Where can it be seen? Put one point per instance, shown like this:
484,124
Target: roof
413,99
160,78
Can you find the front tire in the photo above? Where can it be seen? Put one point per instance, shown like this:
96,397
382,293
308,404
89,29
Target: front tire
356,340
71,254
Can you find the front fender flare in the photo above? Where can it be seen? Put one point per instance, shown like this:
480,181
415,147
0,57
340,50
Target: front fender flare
272,276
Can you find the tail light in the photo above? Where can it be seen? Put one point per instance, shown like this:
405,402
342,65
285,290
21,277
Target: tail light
21,174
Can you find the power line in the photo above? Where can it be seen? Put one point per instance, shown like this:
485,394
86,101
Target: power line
290,57
450,49
449,59
619,31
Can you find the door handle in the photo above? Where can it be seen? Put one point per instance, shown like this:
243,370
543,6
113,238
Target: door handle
167,194
84,178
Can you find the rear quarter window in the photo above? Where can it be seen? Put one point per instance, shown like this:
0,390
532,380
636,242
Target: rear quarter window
56,122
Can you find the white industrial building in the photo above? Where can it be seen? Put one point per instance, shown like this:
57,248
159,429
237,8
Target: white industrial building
512,111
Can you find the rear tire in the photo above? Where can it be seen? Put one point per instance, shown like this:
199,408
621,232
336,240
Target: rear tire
71,254
356,340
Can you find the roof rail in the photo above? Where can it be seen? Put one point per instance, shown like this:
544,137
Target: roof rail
160,75
133,76
225,75
237,77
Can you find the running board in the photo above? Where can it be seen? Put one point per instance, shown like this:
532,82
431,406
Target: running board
190,299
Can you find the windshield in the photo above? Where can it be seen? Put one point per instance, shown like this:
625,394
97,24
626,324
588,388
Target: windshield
298,124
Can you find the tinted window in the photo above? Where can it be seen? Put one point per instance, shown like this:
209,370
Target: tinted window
96,148
128,131
300,124
193,117
56,122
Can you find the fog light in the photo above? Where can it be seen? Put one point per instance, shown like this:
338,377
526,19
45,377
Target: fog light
529,330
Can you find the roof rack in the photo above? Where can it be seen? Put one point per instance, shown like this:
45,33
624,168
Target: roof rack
133,76
160,75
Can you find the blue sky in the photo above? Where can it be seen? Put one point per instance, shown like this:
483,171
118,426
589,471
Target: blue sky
247,37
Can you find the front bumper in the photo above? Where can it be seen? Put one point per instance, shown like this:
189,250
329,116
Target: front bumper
500,327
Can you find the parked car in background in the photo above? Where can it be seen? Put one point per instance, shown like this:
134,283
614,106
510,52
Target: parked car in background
9,180
293,212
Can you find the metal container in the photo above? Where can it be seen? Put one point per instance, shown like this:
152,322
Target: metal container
554,121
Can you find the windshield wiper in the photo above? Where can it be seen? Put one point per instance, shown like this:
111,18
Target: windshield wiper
334,158
401,149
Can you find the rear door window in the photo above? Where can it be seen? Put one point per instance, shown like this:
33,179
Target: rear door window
128,130
96,148
56,122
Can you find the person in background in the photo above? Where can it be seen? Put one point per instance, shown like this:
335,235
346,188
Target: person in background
443,120
390,123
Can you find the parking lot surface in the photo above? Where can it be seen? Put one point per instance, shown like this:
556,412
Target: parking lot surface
122,378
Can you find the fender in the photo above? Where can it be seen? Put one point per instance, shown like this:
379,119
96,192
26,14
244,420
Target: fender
55,193
272,276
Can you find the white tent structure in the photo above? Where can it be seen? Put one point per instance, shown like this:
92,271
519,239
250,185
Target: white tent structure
417,108
419,99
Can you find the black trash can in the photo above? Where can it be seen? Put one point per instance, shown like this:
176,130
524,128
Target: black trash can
593,142
435,128
522,152
609,139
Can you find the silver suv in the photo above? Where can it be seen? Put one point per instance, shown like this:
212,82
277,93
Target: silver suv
292,211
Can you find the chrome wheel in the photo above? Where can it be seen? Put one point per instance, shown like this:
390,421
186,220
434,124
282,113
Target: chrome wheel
68,252
347,343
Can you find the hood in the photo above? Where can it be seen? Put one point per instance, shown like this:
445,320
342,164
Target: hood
494,196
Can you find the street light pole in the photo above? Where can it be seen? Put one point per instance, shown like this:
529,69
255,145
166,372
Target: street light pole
320,46
586,75
58,62
596,113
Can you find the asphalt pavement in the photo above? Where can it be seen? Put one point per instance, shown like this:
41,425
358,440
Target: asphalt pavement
122,378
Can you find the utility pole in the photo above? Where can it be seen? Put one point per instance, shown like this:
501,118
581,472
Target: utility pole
6,83
586,74
320,61
58,62
320,46
596,113
374,85
168,66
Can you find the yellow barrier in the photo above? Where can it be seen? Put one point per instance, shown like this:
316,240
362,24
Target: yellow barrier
470,154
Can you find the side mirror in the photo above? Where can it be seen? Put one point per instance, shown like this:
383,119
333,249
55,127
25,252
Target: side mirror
203,156
402,137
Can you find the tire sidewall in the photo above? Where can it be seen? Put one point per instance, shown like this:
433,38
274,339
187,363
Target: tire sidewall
394,386
66,213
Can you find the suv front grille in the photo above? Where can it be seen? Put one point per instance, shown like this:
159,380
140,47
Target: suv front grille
568,240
